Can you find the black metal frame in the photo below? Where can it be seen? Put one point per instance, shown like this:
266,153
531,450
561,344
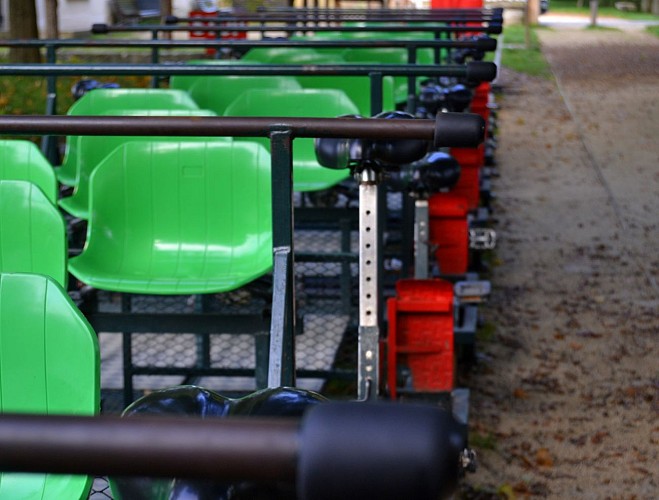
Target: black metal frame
281,132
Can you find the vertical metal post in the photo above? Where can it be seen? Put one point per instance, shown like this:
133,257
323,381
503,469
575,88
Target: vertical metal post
155,56
437,51
421,233
346,273
49,142
281,362
281,148
411,81
202,340
376,92
407,234
127,344
369,316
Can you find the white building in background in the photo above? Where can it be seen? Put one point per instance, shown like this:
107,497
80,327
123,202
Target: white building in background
77,16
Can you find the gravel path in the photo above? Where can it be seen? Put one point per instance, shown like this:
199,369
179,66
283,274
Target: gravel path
566,395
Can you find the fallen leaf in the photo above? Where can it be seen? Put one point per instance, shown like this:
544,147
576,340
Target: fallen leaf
521,487
520,393
506,492
598,437
576,346
543,458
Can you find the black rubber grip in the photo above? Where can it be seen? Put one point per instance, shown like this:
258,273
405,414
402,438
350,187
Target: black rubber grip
171,20
459,130
99,28
384,451
495,29
487,44
481,71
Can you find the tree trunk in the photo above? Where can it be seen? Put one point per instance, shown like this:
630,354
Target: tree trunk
594,8
23,25
52,20
655,7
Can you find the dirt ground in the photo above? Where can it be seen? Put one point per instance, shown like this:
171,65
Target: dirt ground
565,396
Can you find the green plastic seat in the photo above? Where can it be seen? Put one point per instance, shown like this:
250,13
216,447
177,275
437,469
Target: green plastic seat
101,101
49,364
308,174
357,88
292,55
217,92
178,218
22,160
268,54
32,232
184,82
389,55
93,149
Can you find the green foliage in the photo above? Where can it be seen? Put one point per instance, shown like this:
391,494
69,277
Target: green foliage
605,8
26,95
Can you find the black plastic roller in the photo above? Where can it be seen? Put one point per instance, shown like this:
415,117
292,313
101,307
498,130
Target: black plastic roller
481,71
434,172
338,153
397,152
100,29
459,130
388,451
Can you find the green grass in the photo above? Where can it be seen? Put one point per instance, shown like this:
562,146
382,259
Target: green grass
605,9
600,28
529,60
653,30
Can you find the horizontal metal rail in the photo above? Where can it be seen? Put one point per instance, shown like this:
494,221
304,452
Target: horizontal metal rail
330,10
486,44
226,449
448,130
241,28
342,16
477,71
393,451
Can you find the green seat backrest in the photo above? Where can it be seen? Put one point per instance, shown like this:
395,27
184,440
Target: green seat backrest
308,174
49,364
93,149
184,82
32,232
357,88
178,218
101,101
304,57
389,55
267,54
22,160
217,92
292,55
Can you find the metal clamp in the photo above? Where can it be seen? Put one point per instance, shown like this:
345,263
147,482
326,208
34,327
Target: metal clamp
481,238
